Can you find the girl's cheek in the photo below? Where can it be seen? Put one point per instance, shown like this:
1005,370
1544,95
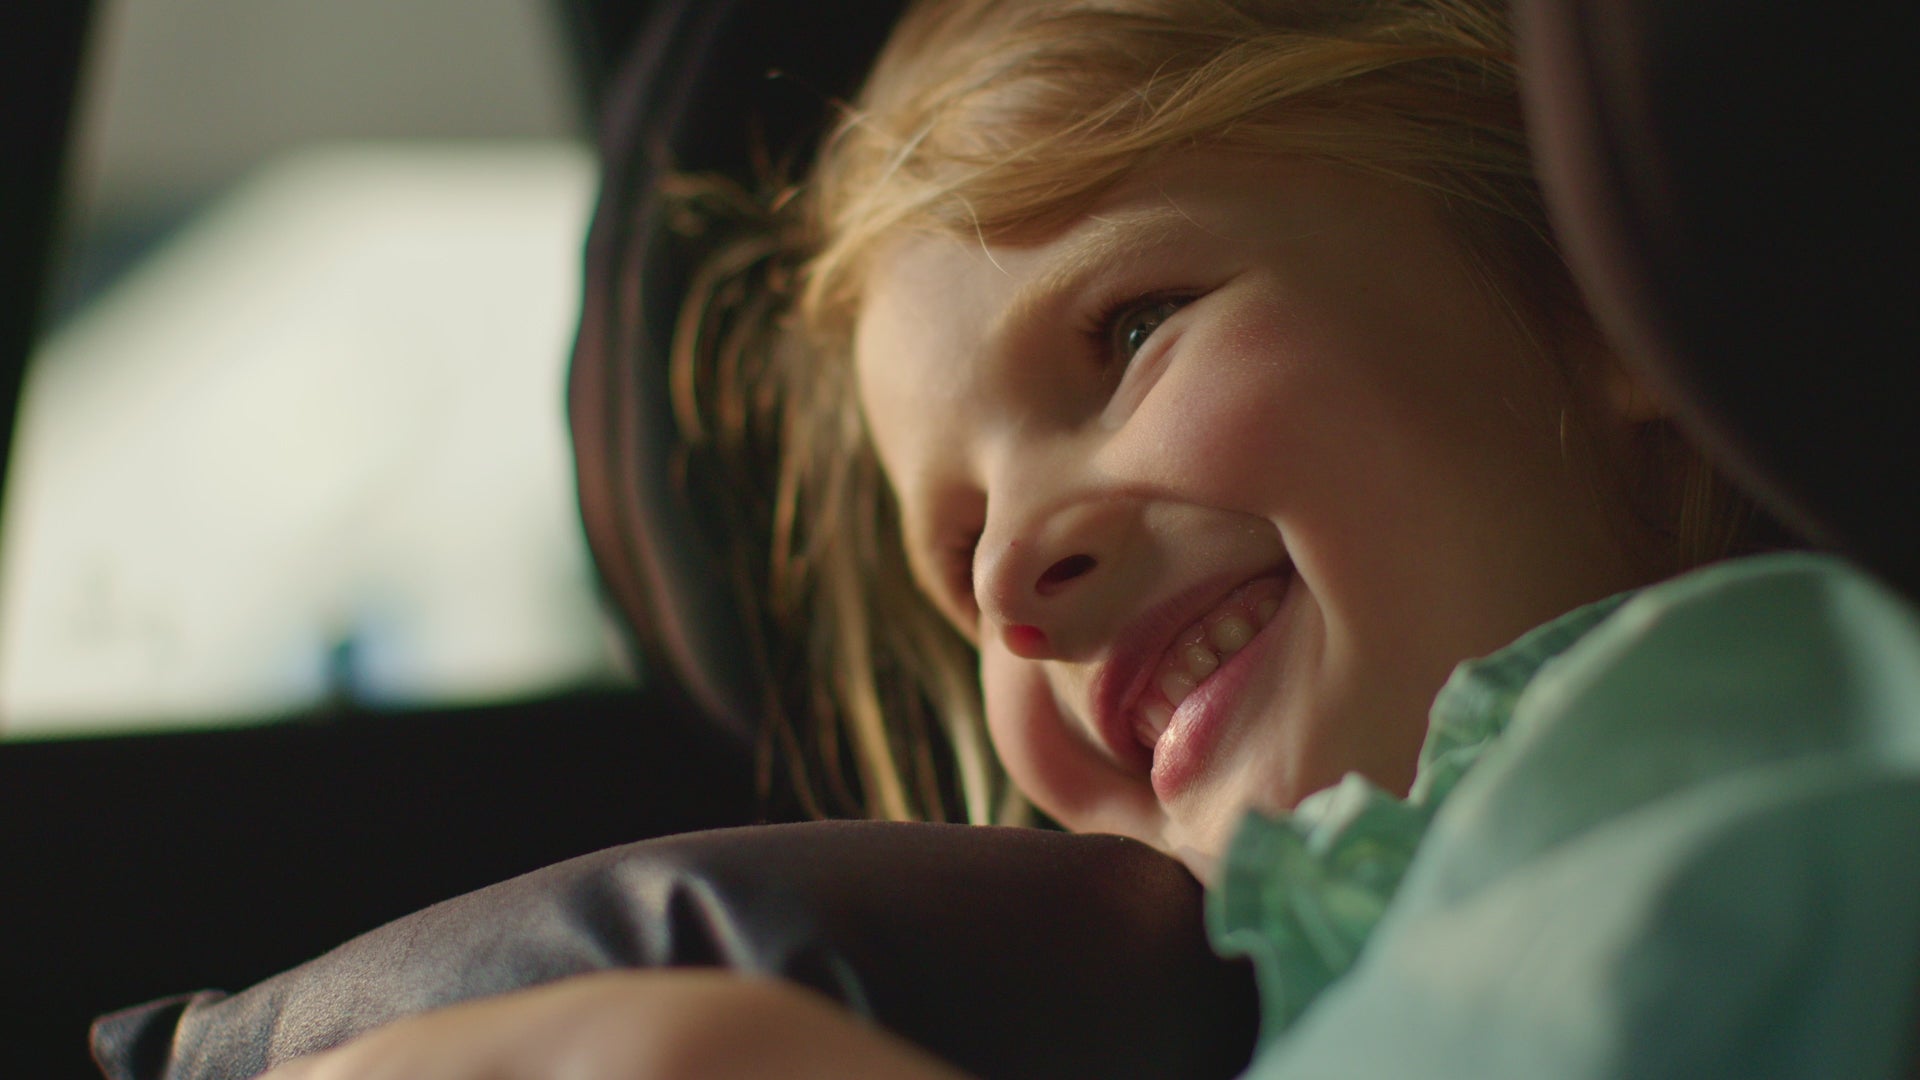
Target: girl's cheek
1046,752
1021,714
1235,407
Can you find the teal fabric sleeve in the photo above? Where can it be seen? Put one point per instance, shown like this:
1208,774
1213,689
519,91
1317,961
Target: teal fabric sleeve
1694,852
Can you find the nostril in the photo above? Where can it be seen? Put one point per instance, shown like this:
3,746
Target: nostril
1062,572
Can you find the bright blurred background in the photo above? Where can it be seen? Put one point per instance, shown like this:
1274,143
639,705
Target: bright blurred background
296,436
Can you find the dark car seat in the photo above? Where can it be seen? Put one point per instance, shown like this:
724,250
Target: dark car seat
1735,185
714,88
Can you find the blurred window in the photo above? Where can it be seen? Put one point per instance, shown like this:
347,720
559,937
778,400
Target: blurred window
296,436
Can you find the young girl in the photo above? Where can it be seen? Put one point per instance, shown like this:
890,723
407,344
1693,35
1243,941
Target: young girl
1202,376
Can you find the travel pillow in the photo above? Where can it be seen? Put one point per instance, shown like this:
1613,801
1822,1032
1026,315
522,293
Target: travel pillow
1010,952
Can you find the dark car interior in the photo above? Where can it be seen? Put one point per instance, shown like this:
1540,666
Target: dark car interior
1751,235
142,865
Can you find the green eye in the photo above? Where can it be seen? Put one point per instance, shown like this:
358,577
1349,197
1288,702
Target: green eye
1135,326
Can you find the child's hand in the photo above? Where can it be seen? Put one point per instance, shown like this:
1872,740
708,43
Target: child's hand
629,1025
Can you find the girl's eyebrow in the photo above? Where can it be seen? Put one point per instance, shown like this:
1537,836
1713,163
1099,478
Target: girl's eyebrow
1084,252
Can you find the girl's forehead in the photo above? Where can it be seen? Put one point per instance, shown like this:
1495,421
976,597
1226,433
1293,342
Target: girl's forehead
942,312
948,321
1201,191
921,295
1214,201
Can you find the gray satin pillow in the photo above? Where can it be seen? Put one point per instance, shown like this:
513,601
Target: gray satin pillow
1010,952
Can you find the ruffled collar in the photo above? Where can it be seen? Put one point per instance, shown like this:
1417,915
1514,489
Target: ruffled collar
1300,893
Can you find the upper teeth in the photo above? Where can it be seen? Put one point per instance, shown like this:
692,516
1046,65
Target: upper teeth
1199,650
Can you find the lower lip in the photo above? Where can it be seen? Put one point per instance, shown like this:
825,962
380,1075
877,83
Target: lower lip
1185,748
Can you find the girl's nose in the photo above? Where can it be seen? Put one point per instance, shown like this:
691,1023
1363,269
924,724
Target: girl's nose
1030,641
1027,641
1061,574
1038,582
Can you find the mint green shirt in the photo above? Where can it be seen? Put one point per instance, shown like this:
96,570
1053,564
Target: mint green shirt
1671,835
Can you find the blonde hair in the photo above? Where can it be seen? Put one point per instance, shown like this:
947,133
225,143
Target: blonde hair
1004,120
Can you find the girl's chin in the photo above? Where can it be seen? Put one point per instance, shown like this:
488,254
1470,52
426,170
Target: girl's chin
1203,865
1199,841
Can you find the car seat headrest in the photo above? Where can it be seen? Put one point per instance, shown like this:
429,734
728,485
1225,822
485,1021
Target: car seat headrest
1734,184
710,86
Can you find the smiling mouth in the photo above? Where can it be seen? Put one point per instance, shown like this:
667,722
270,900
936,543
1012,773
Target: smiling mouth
1199,651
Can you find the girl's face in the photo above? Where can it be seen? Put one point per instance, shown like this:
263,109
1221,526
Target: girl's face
1223,481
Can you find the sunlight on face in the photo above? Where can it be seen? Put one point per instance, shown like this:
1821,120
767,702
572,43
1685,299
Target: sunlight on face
1224,481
